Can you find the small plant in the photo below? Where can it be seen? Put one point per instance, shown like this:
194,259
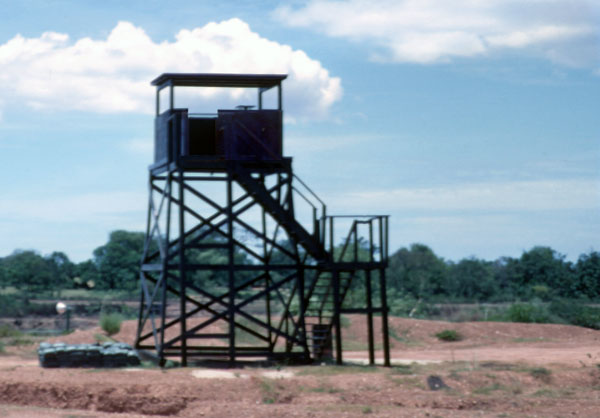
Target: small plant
486,390
528,313
19,341
8,331
449,335
111,323
345,321
541,373
367,410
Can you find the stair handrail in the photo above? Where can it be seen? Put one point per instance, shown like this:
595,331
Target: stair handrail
318,221
378,224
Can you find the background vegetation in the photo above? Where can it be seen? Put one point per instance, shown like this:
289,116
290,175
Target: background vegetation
539,286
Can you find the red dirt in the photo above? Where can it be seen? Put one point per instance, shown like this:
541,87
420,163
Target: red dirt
497,369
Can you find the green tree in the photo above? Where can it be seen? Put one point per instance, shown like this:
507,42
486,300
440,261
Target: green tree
30,272
542,266
62,268
118,261
417,271
505,271
472,279
88,274
586,278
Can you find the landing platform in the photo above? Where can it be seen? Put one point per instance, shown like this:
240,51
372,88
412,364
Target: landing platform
210,164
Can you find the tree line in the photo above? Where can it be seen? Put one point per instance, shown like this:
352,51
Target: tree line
415,271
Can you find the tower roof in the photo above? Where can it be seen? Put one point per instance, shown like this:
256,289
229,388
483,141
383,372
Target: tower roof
218,80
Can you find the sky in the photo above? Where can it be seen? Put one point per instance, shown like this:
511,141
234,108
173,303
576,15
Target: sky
474,124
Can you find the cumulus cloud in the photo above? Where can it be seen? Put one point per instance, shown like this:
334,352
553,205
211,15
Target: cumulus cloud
113,74
428,31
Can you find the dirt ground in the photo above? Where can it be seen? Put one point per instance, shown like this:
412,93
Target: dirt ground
496,370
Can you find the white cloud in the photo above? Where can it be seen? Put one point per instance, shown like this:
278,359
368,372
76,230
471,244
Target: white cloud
113,74
502,196
139,147
106,208
427,31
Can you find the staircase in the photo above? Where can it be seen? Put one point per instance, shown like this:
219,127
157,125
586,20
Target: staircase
285,217
319,303
320,311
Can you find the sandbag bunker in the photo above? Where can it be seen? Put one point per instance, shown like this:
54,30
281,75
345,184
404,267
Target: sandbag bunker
107,355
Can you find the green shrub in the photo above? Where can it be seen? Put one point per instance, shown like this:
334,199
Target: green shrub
449,335
527,312
577,314
111,323
8,331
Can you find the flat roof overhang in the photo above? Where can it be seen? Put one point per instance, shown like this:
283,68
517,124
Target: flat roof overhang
264,81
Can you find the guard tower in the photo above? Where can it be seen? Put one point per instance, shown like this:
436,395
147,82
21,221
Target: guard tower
241,259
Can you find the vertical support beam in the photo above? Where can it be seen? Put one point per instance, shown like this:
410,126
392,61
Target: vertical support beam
144,255
370,318
301,307
157,101
267,261
165,266
331,235
383,236
336,316
260,93
384,319
355,233
182,275
279,97
141,314
171,97
231,271
370,298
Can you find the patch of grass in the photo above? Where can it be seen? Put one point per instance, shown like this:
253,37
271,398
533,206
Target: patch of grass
486,390
402,369
367,410
19,341
101,338
409,381
271,391
541,373
529,340
335,370
2,349
498,366
325,389
551,393
449,335
546,393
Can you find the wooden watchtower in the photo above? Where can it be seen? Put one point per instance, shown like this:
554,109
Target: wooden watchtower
241,258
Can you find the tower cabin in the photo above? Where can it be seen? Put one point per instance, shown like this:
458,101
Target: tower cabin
205,141
240,271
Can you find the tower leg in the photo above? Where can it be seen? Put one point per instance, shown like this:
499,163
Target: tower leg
384,319
370,318
231,271
336,316
182,273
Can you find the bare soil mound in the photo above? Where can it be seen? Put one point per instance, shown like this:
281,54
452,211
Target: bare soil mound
497,369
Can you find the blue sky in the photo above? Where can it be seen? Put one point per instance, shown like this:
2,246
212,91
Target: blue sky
473,124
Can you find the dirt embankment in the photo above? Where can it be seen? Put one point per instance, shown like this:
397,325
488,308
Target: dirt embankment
496,370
